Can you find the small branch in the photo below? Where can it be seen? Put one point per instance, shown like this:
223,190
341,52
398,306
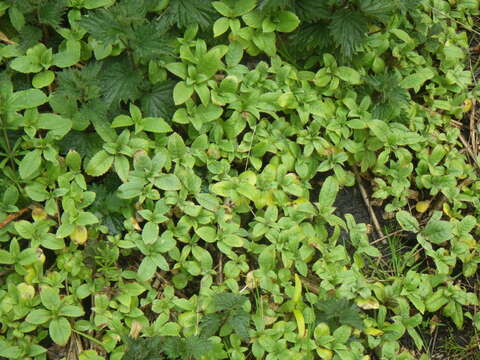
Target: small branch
373,216
470,151
473,132
12,217
4,38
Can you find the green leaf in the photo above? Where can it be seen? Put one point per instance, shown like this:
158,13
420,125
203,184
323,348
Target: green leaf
287,21
157,101
43,79
379,128
349,75
328,192
220,26
176,147
99,164
26,99
69,56
71,311
50,298
207,233
168,182
416,80
122,167
38,316
407,221
208,201
30,164
348,28
150,232
60,330
120,80
6,258
438,231
26,65
146,269
182,92
156,125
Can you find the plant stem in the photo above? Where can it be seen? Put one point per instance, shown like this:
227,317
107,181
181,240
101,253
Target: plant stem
91,338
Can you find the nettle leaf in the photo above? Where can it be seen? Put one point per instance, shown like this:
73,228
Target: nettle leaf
348,29
158,100
168,182
240,323
120,80
184,13
99,164
103,25
228,301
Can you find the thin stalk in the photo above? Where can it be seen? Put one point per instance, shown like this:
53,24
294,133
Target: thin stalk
91,338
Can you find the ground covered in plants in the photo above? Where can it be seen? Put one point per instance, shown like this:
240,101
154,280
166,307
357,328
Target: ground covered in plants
255,179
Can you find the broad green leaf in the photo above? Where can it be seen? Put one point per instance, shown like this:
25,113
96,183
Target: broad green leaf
379,128
416,80
146,269
26,99
349,75
438,231
407,221
150,232
99,164
58,125
71,311
38,316
93,4
122,167
287,21
208,201
25,229
220,26
176,147
156,125
266,259
69,56
6,258
50,298
168,182
179,69
182,92
60,330
26,65
207,233
43,79
30,163
328,192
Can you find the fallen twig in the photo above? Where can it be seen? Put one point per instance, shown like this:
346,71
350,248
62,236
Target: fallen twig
12,217
473,131
373,216
470,151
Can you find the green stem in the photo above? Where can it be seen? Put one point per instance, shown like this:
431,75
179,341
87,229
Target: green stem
91,338
7,143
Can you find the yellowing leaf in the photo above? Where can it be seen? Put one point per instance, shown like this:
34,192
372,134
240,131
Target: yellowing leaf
79,234
300,322
368,304
325,354
422,206
298,289
373,332
467,105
